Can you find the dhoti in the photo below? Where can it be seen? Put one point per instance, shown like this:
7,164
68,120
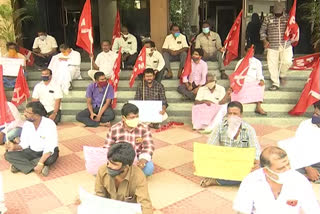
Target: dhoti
203,115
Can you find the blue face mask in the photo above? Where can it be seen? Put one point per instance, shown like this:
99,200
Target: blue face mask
45,78
206,30
176,34
315,119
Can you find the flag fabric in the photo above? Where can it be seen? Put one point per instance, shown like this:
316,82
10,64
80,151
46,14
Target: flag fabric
28,55
84,38
187,69
139,66
116,33
232,41
115,82
237,77
292,29
21,90
5,113
305,62
310,93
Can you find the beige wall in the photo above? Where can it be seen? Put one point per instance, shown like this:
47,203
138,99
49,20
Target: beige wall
159,13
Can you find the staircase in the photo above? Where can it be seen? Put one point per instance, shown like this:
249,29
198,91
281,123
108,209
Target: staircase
276,103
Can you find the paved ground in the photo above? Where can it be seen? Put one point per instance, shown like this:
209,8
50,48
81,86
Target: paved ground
173,187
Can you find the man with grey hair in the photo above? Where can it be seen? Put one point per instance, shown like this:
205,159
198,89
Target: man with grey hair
275,188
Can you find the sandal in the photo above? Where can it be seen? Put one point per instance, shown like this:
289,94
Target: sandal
274,88
206,182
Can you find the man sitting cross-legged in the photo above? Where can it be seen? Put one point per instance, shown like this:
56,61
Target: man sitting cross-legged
38,148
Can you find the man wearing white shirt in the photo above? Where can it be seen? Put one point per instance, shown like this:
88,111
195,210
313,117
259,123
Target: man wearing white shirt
44,47
49,95
154,60
275,188
38,148
104,61
174,48
128,44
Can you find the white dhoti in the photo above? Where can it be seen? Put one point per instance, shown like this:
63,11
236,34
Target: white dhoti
250,92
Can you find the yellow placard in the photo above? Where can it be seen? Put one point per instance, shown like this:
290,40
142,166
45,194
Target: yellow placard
222,162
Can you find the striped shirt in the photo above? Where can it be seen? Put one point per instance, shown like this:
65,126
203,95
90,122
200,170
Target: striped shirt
246,138
273,29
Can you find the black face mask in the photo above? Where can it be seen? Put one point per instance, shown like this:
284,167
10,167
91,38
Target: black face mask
45,78
278,15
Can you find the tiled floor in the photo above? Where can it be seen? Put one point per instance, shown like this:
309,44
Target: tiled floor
173,187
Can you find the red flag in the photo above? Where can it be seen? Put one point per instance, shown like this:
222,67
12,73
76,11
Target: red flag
292,30
139,66
21,89
305,62
237,77
28,55
187,66
115,83
232,41
84,38
116,33
5,113
310,93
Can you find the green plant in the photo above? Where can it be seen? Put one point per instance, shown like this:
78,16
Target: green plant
180,11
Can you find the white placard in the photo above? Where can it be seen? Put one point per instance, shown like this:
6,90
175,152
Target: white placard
11,66
98,205
149,110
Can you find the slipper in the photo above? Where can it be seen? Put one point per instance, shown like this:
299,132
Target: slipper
206,182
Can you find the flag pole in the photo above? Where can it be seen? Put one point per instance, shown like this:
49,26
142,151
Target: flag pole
104,96
91,58
224,51
142,88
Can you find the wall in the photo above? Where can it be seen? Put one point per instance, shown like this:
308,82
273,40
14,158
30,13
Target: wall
159,13
107,15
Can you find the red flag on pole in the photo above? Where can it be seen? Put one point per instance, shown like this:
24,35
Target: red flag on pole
232,41
84,38
28,55
21,90
292,30
139,66
116,33
187,66
115,83
305,62
5,113
237,77
310,93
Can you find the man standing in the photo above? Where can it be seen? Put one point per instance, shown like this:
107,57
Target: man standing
49,95
154,60
137,134
104,61
120,180
280,53
98,93
174,48
38,148
210,43
275,188
128,44
44,47
233,132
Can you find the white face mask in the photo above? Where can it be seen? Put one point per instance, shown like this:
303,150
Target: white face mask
282,176
211,85
148,51
43,37
234,122
125,36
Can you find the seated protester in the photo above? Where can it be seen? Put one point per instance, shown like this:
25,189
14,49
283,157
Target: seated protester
253,88
174,48
197,78
14,128
38,147
120,180
65,67
152,90
154,60
210,100
128,44
98,93
233,132
275,188
137,134
210,43
44,47
104,61
49,95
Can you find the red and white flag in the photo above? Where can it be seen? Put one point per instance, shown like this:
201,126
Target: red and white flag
21,90
84,38
305,62
310,93
232,41
5,113
139,66
187,66
115,83
116,33
28,55
237,77
292,30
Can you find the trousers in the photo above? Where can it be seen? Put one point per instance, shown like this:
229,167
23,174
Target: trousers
84,117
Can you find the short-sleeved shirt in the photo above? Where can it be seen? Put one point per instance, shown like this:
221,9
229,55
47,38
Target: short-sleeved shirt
255,70
204,93
156,61
96,94
47,94
198,73
210,44
45,45
19,56
127,46
105,62
175,44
